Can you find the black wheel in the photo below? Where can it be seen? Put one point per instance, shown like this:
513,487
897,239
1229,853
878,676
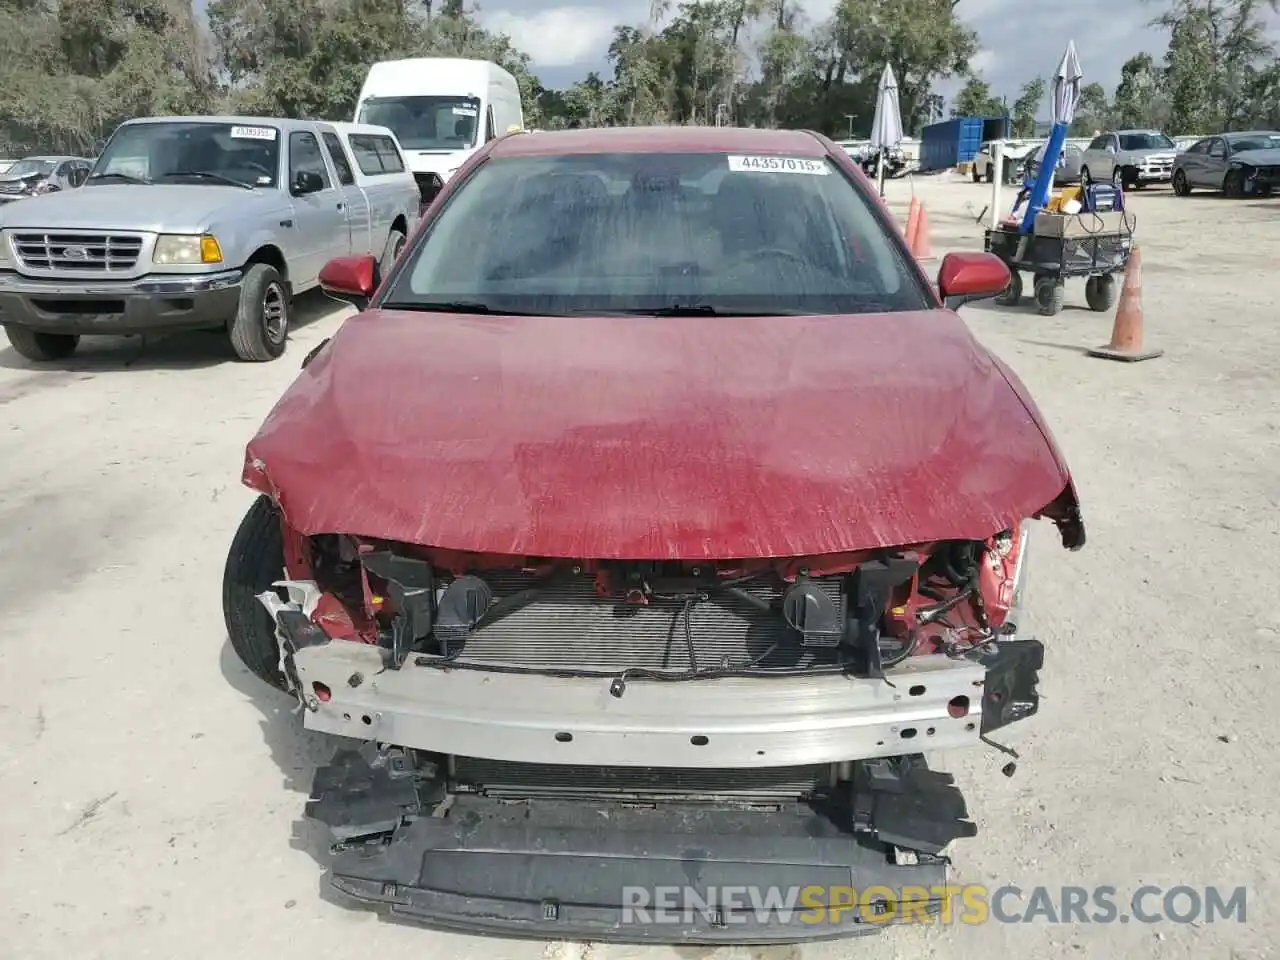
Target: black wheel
1233,183
1013,293
990,175
395,243
1180,185
1100,292
255,562
41,347
260,327
1085,178
1118,180
973,172
1050,295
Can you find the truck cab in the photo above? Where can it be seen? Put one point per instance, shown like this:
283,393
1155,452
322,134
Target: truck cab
442,110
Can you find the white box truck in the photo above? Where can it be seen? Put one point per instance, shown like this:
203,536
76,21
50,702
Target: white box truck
441,110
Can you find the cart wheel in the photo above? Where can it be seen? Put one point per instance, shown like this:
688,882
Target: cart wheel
1050,294
1100,292
1013,292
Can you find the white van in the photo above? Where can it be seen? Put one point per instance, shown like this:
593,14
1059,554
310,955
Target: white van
441,110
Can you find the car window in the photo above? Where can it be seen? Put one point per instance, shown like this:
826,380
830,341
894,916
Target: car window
304,156
638,232
1099,143
176,151
339,158
1216,147
1145,141
1200,146
375,154
1261,142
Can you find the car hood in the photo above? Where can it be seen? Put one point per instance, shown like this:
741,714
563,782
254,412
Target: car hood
656,438
156,207
1161,153
1268,157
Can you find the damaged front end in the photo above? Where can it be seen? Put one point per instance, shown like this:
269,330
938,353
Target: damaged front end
546,737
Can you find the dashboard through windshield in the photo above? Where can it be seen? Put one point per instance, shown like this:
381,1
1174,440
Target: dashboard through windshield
658,233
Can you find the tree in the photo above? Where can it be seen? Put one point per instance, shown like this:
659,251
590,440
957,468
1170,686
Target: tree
975,99
1139,101
1026,107
1093,113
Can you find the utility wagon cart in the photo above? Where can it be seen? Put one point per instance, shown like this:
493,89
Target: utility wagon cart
1095,246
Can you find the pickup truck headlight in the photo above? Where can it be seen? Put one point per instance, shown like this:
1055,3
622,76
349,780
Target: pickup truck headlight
176,248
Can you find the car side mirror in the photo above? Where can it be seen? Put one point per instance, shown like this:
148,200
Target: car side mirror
965,277
350,280
1111,148
307,181
98,147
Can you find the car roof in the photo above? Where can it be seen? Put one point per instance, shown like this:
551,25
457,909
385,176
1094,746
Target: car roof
601,140
1248,133
1147,130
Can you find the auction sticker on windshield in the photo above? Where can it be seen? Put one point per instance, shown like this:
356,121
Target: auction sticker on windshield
253,133
779,165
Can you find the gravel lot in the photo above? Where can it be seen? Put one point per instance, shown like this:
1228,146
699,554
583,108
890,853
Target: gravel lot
151,788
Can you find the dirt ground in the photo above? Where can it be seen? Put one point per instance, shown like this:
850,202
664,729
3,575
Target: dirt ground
151,788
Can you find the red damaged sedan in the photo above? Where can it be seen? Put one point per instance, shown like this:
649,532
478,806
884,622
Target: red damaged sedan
650,522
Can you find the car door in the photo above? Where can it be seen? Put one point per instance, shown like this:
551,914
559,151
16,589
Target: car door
318,215
1190,162
358,212
1095,157
1214,170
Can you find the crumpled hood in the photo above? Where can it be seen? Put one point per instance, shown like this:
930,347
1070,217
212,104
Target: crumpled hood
645,438
156,207
1269,157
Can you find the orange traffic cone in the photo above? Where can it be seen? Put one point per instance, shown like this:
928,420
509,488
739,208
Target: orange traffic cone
1126,333
920,245
913,223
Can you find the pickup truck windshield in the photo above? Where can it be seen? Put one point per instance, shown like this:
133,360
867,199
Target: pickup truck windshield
191,152
1146,141
35,166
647,234
426,123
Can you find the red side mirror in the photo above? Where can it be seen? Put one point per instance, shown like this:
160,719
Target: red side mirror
350,279
971,276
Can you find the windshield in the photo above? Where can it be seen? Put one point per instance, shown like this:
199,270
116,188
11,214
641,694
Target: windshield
1264,141
644,233
191,152
32,167
426,123
1145,141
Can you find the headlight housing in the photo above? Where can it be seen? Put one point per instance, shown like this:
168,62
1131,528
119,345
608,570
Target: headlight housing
4,248
176,248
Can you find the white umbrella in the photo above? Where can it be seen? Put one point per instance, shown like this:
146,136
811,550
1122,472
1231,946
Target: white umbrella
886,128
1066,92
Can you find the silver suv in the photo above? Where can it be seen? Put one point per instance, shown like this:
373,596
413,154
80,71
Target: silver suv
1129,158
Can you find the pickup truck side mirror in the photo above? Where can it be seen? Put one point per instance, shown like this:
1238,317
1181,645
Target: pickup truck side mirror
307,181
350,280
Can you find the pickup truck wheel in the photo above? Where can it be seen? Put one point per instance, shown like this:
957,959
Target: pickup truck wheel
261,324
255,562
1085,178
395,244
973,172
41,347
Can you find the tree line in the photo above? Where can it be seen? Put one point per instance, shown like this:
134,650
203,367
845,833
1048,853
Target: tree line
71,70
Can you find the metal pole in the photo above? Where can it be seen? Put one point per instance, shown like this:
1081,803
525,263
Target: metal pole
880,171
997,175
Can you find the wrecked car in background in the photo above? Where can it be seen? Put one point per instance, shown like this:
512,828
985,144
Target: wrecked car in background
649,541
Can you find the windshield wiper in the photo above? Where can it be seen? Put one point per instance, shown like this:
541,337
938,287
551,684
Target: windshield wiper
701,310
125,177
456,306
208,175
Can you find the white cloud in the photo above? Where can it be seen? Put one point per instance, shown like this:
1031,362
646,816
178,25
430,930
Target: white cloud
559,36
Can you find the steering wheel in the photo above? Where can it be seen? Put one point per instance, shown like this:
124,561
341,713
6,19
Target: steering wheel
772,253
256,167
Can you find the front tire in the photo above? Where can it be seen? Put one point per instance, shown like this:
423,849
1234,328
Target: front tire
1085,178
1180,185
394,246
1117,179
254,563
260,328
1233,184
41,347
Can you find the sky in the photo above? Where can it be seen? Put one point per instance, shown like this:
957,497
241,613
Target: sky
1020,39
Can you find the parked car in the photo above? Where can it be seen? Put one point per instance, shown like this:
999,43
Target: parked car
1235,163
1015,153
1131,159
5,164
191,223
39,175
1070,164
639,511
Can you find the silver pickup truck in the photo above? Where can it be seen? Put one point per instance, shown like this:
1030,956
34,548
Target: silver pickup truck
200,222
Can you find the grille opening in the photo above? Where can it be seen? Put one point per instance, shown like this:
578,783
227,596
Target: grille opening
78,307
76,251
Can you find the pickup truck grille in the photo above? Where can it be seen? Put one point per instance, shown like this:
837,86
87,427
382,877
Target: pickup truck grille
78,252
